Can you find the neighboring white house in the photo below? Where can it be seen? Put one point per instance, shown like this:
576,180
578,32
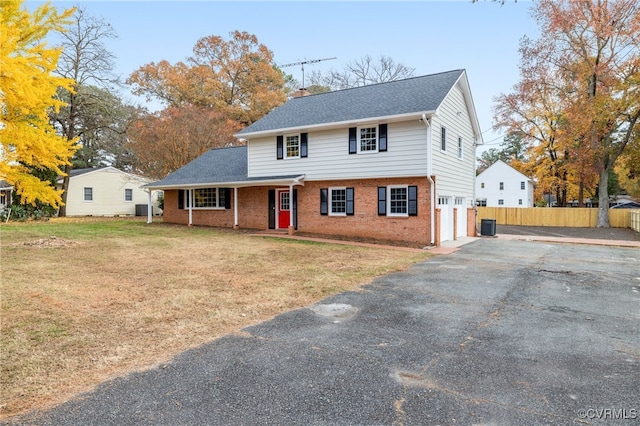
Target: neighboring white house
107,191
5,194
500,185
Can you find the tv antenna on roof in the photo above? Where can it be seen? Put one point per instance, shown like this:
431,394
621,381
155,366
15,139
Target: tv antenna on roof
302,63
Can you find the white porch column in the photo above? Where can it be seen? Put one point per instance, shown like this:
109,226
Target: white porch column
149,207
190,200
235,209
291,227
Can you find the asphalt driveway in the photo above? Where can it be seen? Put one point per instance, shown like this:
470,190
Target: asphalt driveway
500,332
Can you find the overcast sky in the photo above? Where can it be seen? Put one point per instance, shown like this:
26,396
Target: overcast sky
429,36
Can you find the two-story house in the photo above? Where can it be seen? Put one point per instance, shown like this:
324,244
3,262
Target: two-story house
500,185
393,161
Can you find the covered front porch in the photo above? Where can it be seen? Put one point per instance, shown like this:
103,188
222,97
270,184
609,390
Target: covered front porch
262,203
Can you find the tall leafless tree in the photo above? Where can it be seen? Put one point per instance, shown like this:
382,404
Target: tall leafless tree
361,72
86,60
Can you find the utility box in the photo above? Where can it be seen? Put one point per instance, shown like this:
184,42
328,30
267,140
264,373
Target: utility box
143,210
488,227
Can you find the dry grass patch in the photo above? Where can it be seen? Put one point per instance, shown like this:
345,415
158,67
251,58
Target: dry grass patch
83,301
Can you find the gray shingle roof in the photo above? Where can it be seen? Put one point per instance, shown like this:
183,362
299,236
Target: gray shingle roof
412,95
216,167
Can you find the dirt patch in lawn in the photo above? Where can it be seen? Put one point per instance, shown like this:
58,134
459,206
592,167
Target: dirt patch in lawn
104,298
48,242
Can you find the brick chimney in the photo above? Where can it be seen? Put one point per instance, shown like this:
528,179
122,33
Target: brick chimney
300,93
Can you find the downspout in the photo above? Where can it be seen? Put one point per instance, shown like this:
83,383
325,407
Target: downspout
432,205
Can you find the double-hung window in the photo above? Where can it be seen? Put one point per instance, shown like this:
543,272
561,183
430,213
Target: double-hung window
398,200
292,143
460,148
292,146
443,138
88,194
337,201
368,139
128,194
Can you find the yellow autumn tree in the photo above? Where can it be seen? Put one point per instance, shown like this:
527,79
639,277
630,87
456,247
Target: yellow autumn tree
27,93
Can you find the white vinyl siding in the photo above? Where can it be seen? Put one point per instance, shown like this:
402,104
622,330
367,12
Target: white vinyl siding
455,172
329,158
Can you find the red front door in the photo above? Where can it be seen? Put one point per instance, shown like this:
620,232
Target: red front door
284,209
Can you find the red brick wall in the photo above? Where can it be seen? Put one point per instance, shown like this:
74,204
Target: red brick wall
471,223
365,222
253,211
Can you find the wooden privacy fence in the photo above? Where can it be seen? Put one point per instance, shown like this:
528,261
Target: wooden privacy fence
634,219
558,216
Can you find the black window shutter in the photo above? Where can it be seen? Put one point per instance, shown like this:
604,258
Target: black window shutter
413,201
279,147
353,140
226,192
272,208
382,137
303,145
324,201
181,199
294,207
382,201
350,199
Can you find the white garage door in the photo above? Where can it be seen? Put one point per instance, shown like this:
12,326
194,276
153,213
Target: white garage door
461,224
446,220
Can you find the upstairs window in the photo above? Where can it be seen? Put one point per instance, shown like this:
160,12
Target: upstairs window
367,139
501,186
291,146
460,150
443,138
522,185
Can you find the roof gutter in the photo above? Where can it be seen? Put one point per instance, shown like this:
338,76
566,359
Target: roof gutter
298,180
332,125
